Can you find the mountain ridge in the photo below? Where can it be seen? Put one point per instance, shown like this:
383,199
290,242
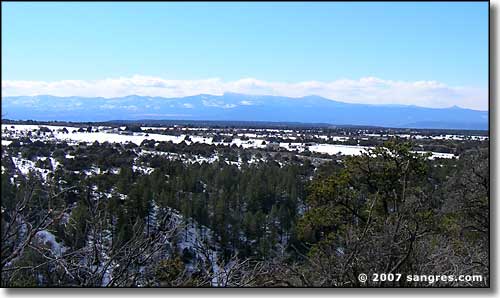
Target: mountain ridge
236,106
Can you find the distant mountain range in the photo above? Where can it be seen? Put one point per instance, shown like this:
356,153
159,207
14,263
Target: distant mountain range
239,107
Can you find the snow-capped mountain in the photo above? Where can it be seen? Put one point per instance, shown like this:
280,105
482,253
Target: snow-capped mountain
239,107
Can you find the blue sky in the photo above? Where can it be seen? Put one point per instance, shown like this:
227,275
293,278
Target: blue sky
273,42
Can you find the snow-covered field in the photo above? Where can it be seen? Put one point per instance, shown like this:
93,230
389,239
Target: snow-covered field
338,149
106,134
358,150
26,166
442,155
27,127
459,137
74,135
440,137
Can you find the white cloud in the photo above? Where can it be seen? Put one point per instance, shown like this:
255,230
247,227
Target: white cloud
364,90
246,103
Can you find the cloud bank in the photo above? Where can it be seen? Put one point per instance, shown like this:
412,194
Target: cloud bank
367,90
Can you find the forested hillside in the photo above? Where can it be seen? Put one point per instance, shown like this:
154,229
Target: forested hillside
165,214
